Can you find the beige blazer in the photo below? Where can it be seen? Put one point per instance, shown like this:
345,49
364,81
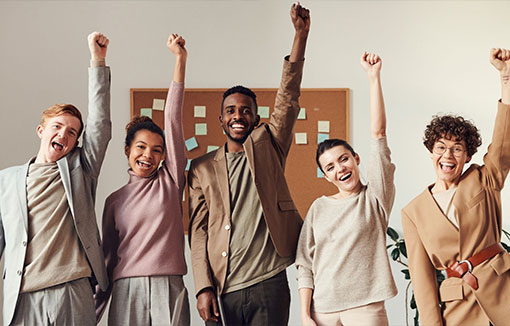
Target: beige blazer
434,243
209,195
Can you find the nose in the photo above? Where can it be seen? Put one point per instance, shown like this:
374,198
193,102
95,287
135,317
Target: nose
448,152
147,152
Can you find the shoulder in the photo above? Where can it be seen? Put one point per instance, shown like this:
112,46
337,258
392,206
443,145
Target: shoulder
116,196
417,203
203,161
10,173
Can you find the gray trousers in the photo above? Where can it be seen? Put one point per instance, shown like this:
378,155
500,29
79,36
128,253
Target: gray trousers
149,300
67,304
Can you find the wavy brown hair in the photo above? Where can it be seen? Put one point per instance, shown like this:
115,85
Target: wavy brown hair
452,127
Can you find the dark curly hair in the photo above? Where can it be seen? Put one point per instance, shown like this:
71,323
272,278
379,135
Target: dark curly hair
452,127
142,123
242,90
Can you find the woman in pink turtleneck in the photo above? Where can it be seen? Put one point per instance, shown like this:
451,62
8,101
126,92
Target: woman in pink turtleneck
143,238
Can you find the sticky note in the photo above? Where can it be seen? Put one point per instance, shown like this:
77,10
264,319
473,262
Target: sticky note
301,138
188,165
319,173
199,111
263,111
302,114
191,143
200,129
147,112
322,137
211,148
323,126
158,104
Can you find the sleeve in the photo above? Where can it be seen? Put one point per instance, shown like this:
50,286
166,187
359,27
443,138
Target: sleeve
380,176
497,159
98,129
2,235
286,107
305,253
110,245
175,158
198,233
423,275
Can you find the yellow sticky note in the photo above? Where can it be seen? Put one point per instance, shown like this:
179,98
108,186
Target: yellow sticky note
301,138
200,129
323,126
158,104
199,111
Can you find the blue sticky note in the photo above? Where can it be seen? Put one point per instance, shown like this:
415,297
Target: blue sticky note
322,137
147,112
191,143
319,173
263,112
302,114
188,165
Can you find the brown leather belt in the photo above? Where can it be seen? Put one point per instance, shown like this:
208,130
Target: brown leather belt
462,269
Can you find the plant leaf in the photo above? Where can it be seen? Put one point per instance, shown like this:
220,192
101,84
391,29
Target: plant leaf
394,254
392,233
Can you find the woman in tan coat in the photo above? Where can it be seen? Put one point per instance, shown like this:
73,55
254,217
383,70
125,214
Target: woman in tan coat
455,224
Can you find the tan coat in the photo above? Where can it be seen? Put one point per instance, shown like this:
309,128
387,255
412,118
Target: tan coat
434,243
209,195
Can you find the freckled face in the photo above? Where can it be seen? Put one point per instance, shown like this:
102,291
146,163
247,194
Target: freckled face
59,136
145,153
341,169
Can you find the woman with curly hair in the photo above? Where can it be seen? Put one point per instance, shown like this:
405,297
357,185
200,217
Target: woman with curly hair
455,224
143,237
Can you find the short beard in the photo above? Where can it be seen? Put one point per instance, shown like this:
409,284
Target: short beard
239,140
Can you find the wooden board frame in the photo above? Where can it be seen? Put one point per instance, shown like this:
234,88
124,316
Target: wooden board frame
324,104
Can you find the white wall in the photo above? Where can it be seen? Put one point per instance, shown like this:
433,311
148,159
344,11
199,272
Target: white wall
435,56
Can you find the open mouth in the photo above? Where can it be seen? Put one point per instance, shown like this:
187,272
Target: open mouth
57,146
236,126
144,165
345,177
446,167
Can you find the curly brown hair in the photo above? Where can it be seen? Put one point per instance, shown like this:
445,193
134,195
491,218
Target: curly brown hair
452,127
141,123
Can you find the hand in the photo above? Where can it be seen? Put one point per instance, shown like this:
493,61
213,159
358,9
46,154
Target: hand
176,44
500,58
300,18
205,301
308,321
98,45
371,63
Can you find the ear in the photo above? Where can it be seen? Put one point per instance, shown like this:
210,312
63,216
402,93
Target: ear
220,118
468,159
39,130
356,157
257,120
126,151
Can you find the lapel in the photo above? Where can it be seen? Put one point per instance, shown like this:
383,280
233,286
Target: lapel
248,150
436,215
63,168
220,171
21,187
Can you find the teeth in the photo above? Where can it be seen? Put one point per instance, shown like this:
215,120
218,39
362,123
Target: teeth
57,145
345,177
237,125
448,164
144,164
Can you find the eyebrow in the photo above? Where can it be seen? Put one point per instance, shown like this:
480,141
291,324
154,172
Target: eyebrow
61,124
141,141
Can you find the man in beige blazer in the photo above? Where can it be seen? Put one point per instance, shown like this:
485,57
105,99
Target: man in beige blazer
48,227
244,225
455,224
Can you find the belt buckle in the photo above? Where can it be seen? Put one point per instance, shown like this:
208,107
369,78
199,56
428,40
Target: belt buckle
470,266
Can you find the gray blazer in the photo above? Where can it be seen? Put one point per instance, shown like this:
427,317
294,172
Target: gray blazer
79,171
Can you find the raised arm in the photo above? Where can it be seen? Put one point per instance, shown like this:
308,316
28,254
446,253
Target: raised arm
300,17
372,64
286,106
175,158
98,129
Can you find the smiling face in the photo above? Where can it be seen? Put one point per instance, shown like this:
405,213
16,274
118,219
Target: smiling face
239,117
341,169
450,163
59,135
145,152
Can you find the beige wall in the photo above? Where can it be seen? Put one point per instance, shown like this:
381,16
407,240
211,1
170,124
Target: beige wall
435,56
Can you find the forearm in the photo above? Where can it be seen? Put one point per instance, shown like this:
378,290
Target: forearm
505,87
180,68
377,111
305,299
298,46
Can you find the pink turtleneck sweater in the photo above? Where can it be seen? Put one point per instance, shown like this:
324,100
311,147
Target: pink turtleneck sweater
142,221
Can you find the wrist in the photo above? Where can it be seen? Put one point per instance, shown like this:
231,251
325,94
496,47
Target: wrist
301,34
97,62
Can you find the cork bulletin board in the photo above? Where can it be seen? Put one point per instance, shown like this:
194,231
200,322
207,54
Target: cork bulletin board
324,114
